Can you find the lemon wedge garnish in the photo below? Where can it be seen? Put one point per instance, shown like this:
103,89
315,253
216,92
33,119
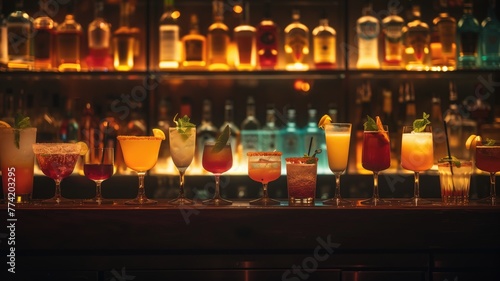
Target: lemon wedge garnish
83,148
4,124
326,119
472,141
159,134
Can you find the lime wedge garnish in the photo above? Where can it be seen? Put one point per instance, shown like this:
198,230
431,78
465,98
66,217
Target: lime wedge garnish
221,141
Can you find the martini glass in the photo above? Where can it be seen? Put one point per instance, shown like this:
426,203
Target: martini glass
217,162
182,146
98,166
264,167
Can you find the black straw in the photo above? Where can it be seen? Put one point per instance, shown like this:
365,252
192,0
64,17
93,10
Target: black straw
310,145
448,147
105,140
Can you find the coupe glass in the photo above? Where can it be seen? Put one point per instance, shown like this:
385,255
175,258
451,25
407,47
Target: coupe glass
264,167
376,157
140,154
338,137
98,166
417,155
57,161
182,145
217,162
488,160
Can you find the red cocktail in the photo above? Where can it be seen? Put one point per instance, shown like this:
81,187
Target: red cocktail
217,161
99,167
488,160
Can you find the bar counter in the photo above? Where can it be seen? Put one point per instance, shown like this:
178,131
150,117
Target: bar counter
243,242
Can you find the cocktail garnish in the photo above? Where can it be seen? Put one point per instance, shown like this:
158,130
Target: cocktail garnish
21,122
182,124
490,142
454,160
326,119
221,141
83,147
420,124
375,125
158,134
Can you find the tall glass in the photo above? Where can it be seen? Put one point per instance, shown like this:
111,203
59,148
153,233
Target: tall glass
98,166
57,161
264,167
217,162
376,157
417,155
140,154
17,163
488,160
182,146
338,137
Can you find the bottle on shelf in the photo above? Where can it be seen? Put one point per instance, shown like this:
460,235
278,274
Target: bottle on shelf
244,36
267,40
205,132
411,107
325,44
315,138
250,128
468,30
454,123
270,132
490,39
443,46
20,39
164,165
417,52
291,140
88,126
194,47
4,53
43,39
392,42
169,54
218,39
389,119
99,40
44,120
363,100
438,133
234,138
69,129
367,30
68,42
296,44
124,38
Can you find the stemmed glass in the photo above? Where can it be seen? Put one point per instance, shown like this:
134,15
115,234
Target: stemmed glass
140,154
182,145
376,157
217,162
264,167
417,155
98,166
57,161
338,137
488,160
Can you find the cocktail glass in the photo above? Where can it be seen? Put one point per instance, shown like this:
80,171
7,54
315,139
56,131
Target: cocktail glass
338,137
488,160
264,167
417,155
376,157
140,154
454,179
57,161
98,166
182,146
17,163
301,173
217,162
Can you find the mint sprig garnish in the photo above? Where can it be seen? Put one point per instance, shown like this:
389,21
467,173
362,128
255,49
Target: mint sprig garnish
420,124
182,125
490,142
20,122
453,160
370,124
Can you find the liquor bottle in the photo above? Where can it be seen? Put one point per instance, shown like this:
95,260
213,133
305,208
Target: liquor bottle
368,30
411,108
454,122
43,39
194,47
363,99
163,123
99,36
389,119
270,133
246,43
169,37
205,132
443,47
44,120
392,44
69,130
249,130
314,137
234,138
218,39
325,44
468,30
124,39
438,133
417,35
296,44
68,42
490,39
20,39
291,140
4,53
267,40
88,126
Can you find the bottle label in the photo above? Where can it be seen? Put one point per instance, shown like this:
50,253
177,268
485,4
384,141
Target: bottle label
324,49
468,42
169,36
368,30
218,46
297,42
194,50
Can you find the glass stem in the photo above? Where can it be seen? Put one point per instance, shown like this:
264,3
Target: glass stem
217,186
264,190
337,186
181,184
375,186
140,192
98,195
493,192
57,195
416,190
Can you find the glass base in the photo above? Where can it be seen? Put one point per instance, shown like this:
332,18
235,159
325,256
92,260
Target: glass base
57,201
417,201
294,201
141,201
339,202
181,201
490,200
18,199
263,201
97,201
376,202
217,202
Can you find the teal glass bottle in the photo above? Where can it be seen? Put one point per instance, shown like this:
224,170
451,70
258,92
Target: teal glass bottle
468,30
490,39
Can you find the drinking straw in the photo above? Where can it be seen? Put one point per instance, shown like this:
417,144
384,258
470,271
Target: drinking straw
448,147
105,140
310,144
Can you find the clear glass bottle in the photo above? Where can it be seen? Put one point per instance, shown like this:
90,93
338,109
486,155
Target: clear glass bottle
249,130
325,44
296,44
43,39
368,30
68,42
468,30
234,137
244,36
392,44
124,40
291,141
20,39
443,47
99,40
490,39
417,52
4,49
194,47
454,122
218,39
267,40
169,55
270,133
205,132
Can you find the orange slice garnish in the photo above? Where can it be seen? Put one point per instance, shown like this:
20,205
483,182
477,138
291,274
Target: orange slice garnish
380,127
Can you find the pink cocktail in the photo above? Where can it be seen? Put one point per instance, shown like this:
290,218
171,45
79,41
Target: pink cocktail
488,160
